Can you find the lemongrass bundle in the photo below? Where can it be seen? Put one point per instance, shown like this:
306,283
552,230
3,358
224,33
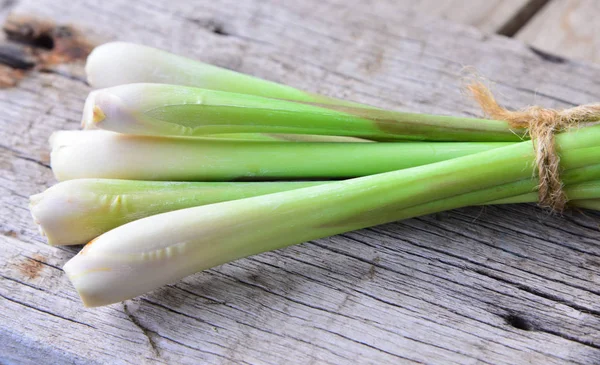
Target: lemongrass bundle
152,188
145,254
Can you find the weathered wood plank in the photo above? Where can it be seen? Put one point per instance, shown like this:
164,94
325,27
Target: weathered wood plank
567,28
499,285
487,16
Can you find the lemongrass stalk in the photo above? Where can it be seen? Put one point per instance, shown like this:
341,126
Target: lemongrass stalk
101,154
311,138
274,137
585,191
76,211
592,204
580,184
174,110
138,64
142,64
148,253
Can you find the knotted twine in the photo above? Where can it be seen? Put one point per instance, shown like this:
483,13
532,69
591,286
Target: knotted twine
540,124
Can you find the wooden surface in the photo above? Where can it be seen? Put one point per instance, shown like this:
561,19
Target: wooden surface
568,28
488,15
559,28
496,285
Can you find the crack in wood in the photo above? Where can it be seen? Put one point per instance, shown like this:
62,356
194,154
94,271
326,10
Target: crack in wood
43,262
22,283
435,303
386,302
520,322
45,311
232,361
180,313
546,56
533,291
146,332
403,358
65,75
481,264
18,154
158,305
396,305
207,300
505,228
37,162
538,93
539,293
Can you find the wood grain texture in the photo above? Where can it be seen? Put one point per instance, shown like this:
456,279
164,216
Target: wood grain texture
496,285
487,16
567,28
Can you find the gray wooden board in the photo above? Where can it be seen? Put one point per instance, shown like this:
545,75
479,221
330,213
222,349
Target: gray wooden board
486,15
566,28
494,285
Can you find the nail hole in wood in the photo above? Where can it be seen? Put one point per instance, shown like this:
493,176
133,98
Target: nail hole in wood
518,322
43,41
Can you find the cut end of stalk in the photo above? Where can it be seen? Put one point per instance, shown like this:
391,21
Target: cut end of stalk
37,214
88,275
103,106
103,278
79,277
33,200
138,257
98,114
89,108
57,213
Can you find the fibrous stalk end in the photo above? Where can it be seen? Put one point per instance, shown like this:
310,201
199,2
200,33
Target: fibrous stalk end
97,114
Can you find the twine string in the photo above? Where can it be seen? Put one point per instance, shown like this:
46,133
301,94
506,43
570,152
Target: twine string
541,124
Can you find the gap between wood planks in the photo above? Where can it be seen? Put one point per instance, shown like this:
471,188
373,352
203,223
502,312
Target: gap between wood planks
521,17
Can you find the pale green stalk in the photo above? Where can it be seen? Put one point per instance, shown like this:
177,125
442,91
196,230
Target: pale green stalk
76,211
584,187
142,64
159,109
148,253
119,63
101,154
274,137
578,196
592,204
